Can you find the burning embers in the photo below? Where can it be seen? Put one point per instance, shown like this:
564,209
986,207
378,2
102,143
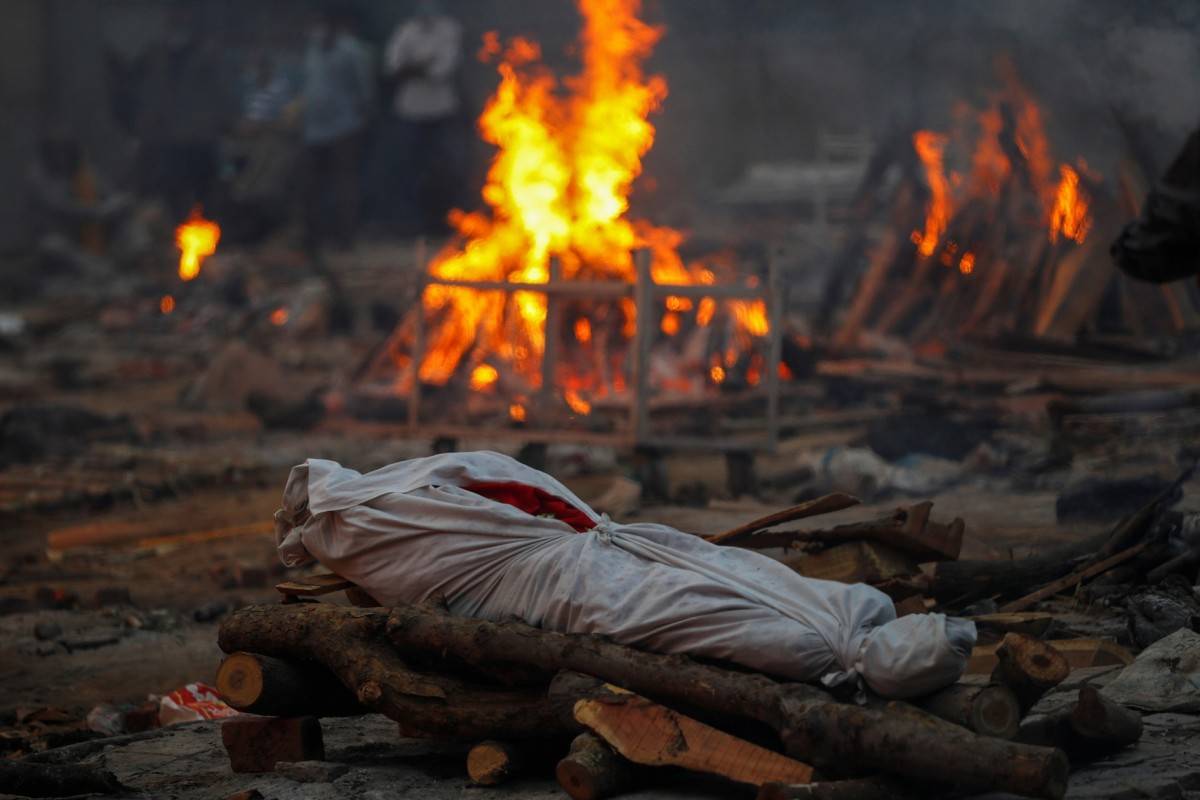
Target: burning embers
1010,154
537,294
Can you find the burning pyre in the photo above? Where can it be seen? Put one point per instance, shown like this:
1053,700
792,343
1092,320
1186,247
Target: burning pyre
557,197
988,232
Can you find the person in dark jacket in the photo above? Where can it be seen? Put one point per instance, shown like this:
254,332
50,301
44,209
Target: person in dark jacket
1163,244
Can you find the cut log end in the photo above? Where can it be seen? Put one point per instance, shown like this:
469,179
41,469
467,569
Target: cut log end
987,710
259,684
592,771
491,763
240,680
1029,667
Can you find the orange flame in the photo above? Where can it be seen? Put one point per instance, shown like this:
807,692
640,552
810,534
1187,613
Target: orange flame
930,147
577,403
516,412
279,316
583,330
557,197
166,304
197,240
1070,214
1012,150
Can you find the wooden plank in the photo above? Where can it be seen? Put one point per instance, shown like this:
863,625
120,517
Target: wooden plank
1080,654
314,585
855,562
821,505
648,733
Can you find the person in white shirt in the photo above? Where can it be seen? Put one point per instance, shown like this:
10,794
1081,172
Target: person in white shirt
422,135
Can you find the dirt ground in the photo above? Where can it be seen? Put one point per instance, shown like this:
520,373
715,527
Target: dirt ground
121,549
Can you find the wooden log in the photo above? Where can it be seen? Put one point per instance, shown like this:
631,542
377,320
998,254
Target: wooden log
906,529
493,762
966,581
351,644
1074,579
1129,530
854,789
1181,563
257,684
991,710
592,771
1094,726
1098,719
1030,623
1029,667
647,733
898,739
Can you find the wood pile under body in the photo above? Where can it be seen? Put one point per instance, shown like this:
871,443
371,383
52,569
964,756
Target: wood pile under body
605,718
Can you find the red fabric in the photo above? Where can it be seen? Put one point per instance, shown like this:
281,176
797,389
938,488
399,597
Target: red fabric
533,501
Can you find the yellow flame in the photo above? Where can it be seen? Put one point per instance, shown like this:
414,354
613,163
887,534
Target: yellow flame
197,240
483,376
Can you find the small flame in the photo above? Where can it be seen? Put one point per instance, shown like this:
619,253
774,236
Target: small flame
670,323
279,316
930,147
1070,214
583,330
577,403
704,314
967,264
197,240
717,373
484,376
516,412
167,304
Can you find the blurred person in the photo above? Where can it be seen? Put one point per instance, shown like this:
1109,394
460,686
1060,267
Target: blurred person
336,100
186,108
80,218
1163,244
422,131
262,151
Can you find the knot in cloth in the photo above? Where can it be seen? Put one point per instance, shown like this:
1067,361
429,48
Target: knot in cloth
605,529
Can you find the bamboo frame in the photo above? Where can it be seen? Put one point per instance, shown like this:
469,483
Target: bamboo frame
645,293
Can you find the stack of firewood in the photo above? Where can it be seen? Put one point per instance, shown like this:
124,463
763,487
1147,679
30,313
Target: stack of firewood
607,715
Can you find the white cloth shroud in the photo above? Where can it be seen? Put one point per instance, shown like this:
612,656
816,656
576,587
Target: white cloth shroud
409,531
